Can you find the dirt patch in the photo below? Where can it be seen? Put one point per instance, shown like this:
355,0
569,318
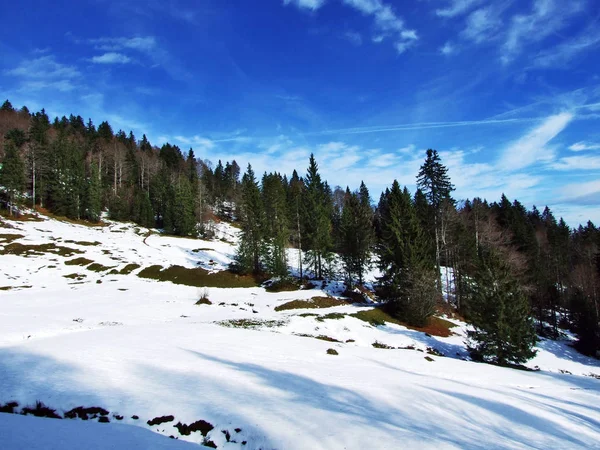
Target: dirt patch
198,277
313,303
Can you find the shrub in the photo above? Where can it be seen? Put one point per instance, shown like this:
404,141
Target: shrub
203,300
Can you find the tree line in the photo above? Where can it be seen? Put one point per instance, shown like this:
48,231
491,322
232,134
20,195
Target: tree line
512,272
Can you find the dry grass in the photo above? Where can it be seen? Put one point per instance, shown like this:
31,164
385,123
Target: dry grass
8,238
78,262
313,303
198,277
435,325
26,250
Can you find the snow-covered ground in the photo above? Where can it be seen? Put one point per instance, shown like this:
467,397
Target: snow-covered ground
141,347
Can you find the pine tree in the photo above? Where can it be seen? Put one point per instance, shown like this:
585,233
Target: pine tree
434,182
504,332
12,173
251,249
93,195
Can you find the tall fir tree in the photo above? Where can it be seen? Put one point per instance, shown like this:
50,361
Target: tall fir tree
434,182
316,217
251,248
276,223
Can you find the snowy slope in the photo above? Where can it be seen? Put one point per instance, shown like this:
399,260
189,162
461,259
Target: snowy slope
141,347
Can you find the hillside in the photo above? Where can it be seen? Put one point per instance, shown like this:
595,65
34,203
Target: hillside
85,320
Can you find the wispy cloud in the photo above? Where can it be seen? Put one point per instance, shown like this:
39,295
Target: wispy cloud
546,18
457,8
111,58
579,162
306,4
569,48
448,49
482,24
582,146
532,147
44,67
387,23
138,43
353,37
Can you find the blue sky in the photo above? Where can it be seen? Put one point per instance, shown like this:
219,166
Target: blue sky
508,91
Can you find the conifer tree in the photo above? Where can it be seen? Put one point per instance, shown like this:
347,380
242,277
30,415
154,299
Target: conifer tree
434,182
276,223
503,332
12,173
251,248
408,279
316,217
93,195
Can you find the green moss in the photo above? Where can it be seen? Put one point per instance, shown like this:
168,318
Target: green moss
313,303
78,262
198,277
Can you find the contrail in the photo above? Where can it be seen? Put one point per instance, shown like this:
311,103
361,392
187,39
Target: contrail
421,126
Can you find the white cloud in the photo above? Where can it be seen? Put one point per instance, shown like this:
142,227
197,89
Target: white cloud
582,146
457,8
579,162
111,58
139,43
569,49
448,49
201,142
44,67
482,24
546,18
313,5
532,147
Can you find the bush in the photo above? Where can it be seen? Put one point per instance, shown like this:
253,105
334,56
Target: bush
203,300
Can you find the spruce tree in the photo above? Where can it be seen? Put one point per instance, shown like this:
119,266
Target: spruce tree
316,217
276,223
251,248
503,331
434,182
12,173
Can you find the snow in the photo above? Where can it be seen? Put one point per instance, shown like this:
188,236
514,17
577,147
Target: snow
138,346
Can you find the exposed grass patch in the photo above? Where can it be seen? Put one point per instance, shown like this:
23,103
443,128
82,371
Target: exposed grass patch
20,217
331,316
197,250
96,267
315,302
308,315
75,276
71,221
283,285
129,268
435,325
203,301
202,426
40,410
8,288
378,344
18,249
161,420
84,413
84,243
198,277
9,407
332,351
78,262
251,323
8,238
